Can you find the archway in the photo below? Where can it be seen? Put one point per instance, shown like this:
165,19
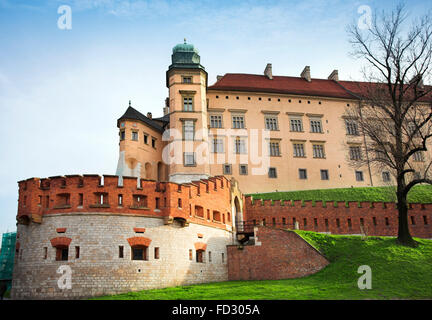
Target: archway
238,214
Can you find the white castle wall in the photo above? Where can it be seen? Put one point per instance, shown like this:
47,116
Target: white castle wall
99,270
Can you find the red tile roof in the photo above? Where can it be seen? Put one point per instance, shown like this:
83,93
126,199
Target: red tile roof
296,86
280,84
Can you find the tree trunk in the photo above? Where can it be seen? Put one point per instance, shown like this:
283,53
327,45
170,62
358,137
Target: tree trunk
404,235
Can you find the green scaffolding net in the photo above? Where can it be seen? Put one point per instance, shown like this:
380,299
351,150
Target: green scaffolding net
7,254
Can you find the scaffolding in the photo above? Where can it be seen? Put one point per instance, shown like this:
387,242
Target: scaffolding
7,255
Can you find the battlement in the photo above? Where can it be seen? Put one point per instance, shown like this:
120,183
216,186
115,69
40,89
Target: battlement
339,217
125,195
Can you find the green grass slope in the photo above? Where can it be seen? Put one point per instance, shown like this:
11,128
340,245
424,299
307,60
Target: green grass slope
418,194
397,273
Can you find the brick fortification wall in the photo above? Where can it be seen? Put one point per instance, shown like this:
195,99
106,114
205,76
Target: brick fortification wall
277,254
376,218
101,232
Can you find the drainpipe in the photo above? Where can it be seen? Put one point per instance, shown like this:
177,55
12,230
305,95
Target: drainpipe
367,153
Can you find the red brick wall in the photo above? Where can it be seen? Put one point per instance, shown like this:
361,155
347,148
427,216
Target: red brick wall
213,194
281,254
379,219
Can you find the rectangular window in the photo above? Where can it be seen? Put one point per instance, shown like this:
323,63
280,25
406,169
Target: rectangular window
153,142
200,256
299,150
217,145
187,104
134,136
239,146
302,174
274,149
351,127
187,79
189,158
296,125
188,130
337,222
139,253
315,125
271,123
77,252
355,153
210,257
81,199
318,151
145,138
223,257
215,121
45,255
349,224
374,221
324,175
425,220
272,173
157,203
227,169
122,135
156,252
179,202
387,221
62,253
121,253
120,200
238,122
243,169
359,175
386,176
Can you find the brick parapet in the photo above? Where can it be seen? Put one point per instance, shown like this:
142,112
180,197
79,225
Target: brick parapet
371,218
76,193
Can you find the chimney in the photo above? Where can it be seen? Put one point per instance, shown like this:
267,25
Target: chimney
218,78
334,75
268,71
166,108
149,115
306,74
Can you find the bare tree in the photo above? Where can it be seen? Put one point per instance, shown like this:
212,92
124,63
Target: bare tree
395,110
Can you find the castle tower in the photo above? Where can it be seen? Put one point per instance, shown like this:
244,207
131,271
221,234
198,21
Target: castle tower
186,80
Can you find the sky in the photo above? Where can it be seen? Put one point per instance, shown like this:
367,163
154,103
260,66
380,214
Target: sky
62,90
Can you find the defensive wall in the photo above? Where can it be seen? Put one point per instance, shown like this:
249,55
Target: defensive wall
370,218
119,236
275,254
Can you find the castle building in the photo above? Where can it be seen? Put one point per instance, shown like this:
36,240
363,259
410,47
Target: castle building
268,132
174,214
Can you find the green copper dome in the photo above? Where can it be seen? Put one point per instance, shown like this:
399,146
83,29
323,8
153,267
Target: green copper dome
185,47
185,55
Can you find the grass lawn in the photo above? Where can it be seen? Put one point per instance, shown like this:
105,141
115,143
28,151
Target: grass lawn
418,194
397,273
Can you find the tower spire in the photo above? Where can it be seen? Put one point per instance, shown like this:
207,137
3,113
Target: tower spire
130,104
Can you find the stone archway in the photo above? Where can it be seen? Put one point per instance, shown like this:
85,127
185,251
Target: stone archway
238,214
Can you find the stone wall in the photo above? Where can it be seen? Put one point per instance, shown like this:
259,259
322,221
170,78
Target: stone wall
277,254
99,270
